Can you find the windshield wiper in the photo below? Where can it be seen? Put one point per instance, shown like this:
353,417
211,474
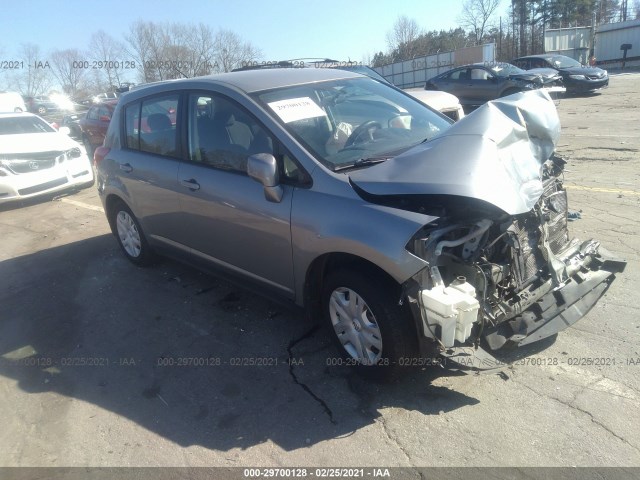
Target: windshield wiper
361,162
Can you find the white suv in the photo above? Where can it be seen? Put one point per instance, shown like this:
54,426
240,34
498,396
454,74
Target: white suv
12,102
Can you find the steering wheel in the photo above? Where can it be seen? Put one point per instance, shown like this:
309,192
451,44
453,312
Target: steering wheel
363,128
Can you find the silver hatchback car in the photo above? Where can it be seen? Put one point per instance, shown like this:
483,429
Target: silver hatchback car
408,235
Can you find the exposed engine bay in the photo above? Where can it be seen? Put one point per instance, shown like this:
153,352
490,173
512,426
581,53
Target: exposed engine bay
502,278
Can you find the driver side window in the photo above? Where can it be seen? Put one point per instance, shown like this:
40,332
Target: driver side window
222,134
459,75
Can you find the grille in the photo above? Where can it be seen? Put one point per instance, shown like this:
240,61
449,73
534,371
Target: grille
556,207
529,261
595,77
19,163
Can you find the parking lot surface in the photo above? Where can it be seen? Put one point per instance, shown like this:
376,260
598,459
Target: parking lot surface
106,364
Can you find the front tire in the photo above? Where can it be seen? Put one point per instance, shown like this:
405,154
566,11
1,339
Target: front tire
130,236
370,329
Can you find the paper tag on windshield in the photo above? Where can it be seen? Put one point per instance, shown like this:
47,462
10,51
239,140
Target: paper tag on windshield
294,109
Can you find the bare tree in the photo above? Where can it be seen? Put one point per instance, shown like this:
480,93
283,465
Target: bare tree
35,78
232,52
166,51
192,50
147,41
476,15
110,55
67,69
401,38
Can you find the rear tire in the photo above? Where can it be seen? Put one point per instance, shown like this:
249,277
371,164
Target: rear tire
130,236
371,331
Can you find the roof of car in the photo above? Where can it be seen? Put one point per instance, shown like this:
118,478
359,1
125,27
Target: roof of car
256,80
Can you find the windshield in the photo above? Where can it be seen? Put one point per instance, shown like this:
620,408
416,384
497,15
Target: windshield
18,125
352,122
506,69
564,62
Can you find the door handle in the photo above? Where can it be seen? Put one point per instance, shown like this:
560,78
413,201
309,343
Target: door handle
125,167
191,184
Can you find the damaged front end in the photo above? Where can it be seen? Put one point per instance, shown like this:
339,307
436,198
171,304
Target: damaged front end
508,278
501,265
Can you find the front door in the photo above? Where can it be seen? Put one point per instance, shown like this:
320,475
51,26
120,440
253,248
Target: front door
227,220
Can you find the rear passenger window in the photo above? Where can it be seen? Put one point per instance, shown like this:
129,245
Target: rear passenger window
150,126
222,134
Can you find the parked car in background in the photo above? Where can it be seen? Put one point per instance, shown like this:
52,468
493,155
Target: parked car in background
478,83
407,234
93,125
41,105
443,102
48,104
101,97
12,102
72,120
576,77
35,159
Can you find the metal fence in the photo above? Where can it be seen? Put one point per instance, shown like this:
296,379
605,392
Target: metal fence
416,72
611,37
573,42
605,43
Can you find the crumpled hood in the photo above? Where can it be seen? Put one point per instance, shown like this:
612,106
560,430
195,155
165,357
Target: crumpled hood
494,154
545,73
527,77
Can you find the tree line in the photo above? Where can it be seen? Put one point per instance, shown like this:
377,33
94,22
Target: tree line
519,31
149,52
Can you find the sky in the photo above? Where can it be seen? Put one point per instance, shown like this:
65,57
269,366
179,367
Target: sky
282,29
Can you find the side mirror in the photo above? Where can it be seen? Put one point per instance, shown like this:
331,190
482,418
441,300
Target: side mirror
65,130
263,168
104,118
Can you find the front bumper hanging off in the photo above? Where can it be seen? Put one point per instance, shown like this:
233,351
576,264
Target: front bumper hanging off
556,310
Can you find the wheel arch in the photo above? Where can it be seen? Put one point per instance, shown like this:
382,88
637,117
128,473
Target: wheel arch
109,204
326,263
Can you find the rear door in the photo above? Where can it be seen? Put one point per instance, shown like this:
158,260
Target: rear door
147,165
227,220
